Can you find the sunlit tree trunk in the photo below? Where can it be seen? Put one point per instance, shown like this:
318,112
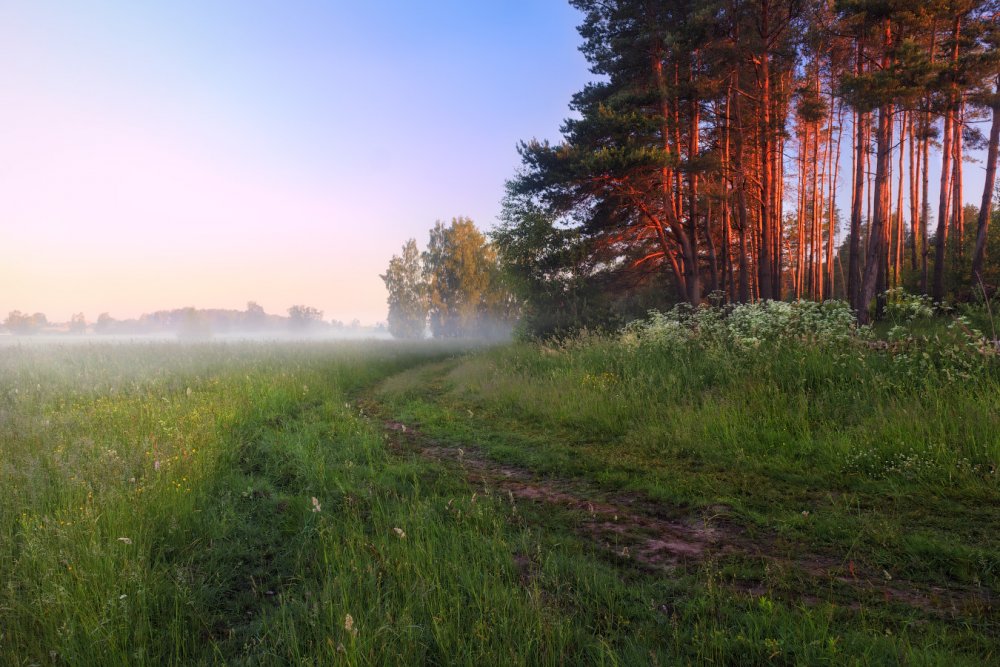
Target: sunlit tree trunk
832,221
941,243
765,260
914,169
800,218
898,254
857,198
727,199
958,209
875,264
983,223
694,113
816,242
925,205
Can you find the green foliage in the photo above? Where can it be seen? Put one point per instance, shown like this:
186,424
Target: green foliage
231,504
456,284
749,326
788,431
958,281
738,334
902,307
466,295
407,293
547,268
562,278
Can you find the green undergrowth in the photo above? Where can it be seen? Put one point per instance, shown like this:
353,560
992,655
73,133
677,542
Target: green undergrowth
230,504
878,455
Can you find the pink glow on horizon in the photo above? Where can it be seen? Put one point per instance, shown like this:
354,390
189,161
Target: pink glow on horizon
156,156
145,220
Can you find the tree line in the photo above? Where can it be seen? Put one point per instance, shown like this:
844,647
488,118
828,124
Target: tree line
186,322
707,158
454,288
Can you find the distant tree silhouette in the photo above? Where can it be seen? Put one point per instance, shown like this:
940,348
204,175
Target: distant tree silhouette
304,317
78,323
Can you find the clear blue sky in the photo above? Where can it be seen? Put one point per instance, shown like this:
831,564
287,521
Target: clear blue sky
157,155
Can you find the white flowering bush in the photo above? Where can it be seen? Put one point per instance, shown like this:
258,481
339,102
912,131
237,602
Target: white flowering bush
901,359
901,306
664,329
957,355
747,326
830,322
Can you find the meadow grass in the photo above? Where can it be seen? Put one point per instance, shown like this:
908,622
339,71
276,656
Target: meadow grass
875,455
233,504
229,504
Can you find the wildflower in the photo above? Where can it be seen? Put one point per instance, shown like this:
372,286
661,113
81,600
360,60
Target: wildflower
316,507
156,464
399,533
125,540
349,625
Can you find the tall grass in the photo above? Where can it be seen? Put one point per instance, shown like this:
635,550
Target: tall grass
881,450
228,504
779,393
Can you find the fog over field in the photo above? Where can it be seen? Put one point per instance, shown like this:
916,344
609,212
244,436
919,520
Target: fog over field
500,332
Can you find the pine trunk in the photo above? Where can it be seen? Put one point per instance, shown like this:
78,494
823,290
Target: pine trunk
983,224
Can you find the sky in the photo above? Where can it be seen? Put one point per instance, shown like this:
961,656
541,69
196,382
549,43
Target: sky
157,155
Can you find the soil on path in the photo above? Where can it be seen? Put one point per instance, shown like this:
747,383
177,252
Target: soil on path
634,530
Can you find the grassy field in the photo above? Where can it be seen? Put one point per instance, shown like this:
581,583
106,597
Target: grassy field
681,493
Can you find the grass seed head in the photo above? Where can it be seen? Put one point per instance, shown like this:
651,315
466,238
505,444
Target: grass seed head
349,625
